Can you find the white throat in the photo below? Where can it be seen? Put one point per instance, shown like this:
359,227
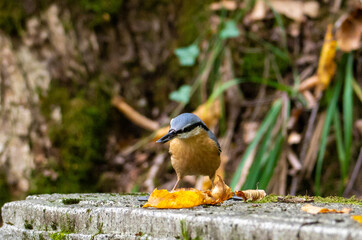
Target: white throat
192,133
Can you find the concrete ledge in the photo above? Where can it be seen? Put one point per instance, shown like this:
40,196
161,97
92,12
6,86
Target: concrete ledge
116,216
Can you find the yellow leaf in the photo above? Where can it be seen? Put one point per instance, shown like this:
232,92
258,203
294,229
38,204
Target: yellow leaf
326,65
357,218
315,210
181,198
187,198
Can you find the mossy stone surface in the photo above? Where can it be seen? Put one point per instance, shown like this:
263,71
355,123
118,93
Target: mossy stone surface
121,216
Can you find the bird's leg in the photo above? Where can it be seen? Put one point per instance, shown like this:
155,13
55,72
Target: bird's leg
178,180
212,178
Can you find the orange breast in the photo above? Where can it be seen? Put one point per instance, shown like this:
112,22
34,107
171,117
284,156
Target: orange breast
197,155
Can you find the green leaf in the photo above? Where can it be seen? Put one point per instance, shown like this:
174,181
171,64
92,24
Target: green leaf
223,87
230,30
182,94
348,112
266,124
332,105
187,55
272,161
339,142
254,171
357,90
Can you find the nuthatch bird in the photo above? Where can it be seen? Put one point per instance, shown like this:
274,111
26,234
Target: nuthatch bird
194,148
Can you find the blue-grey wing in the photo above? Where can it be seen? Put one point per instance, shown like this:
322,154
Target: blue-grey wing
212,136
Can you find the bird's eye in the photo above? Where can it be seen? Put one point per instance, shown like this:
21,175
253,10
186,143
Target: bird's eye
186,129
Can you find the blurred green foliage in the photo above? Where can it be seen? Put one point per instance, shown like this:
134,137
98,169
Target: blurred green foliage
187,55
182,94
80,138
192,20
12,15
230,30
100,6
5,195
101,11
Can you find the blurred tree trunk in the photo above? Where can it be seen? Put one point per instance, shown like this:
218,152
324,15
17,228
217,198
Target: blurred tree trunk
119,43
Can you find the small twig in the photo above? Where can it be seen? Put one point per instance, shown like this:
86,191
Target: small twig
235,98
265,100
245,170
309,132
262,90
154,170
294,161
311,156
309,83
336,6
305,144
138,144
133,115
355,172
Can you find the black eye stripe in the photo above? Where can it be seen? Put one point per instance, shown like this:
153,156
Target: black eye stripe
191,127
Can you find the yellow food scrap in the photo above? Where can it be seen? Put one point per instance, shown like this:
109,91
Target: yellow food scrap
179,199
187,198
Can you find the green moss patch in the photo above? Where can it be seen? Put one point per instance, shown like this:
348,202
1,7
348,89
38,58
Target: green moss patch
268,199
78,138
69,201
59,236
28,225
316,199
336,199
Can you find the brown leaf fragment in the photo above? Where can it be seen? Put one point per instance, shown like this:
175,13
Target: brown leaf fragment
221,191
293,199
290,9
252,195
259,11
241,194
311,8
227,5
315,210
296,10
349,31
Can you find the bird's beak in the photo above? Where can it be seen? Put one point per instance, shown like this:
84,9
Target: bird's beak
169,136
